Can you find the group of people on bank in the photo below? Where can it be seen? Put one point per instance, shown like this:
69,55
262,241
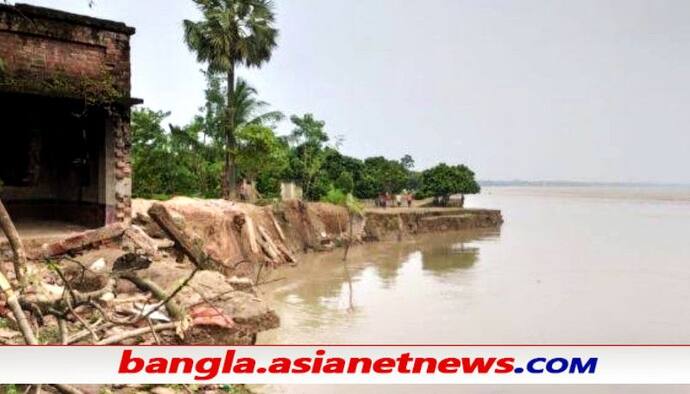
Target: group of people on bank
392,200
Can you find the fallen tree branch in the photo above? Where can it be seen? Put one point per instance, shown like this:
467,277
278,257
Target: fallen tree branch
67,389
64,332
171,306
13,301
155,336
84,333
82,321
134,333
16,244
48,303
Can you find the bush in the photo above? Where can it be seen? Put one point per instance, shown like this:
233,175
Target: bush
335,196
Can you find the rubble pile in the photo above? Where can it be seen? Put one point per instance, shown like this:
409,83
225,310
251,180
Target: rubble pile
183,272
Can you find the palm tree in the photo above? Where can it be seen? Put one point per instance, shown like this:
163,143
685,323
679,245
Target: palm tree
232,33
248,109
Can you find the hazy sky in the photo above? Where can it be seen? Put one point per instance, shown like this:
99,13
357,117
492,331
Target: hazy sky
590,90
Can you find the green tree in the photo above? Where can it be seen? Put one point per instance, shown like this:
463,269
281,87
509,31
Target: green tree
250,111
151,157
165,162
307,154
383,175
231,33
260,151
345,182
408,162
443,180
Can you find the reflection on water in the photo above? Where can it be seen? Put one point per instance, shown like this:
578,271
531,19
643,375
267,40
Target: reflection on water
570,265
449,257
324,299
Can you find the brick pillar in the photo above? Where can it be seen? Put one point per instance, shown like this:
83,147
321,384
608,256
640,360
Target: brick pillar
118,169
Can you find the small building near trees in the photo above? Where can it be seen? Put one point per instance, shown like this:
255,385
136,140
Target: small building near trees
65,104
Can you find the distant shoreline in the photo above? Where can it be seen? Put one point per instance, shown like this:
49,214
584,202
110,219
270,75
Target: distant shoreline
577,184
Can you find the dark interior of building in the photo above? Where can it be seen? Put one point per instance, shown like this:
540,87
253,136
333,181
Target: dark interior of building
51,160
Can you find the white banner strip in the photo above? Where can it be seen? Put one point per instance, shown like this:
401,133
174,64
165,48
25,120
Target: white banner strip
615,364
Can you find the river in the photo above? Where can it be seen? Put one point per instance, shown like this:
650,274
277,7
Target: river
569,265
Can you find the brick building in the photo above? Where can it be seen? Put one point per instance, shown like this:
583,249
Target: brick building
65,109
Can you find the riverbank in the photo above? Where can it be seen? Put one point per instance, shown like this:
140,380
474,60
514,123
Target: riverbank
396,223
188,251
274,235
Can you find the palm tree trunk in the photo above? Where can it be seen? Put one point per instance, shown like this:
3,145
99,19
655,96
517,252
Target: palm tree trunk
230,173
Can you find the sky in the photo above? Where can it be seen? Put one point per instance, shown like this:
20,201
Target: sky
587,90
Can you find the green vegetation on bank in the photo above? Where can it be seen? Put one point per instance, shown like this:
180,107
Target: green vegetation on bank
233,137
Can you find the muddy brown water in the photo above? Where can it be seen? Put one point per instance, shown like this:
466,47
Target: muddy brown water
569,265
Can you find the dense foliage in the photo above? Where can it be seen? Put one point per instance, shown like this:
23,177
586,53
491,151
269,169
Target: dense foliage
443,180
189,160
233,137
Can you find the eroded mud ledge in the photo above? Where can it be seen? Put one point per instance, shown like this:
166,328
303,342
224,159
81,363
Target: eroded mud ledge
230,246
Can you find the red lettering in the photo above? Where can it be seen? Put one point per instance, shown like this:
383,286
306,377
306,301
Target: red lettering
365,361
482,365
419,362
207,368
384,365
126,362
403,360
449,365
505,365
301,365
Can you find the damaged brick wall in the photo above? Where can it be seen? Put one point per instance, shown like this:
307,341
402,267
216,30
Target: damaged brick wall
42,48
53,54
123,173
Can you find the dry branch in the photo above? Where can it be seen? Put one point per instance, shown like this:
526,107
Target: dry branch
15,243
67,389
171,306
13,301
137,332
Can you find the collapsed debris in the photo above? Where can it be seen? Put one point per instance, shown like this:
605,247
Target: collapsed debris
120,285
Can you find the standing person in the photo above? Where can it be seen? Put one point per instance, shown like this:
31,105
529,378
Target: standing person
408,197
398,200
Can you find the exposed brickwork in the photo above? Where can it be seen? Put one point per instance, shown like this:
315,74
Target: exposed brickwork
123,170
39,46
51,53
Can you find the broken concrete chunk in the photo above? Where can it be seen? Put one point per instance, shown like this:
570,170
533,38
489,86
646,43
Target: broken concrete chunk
80,241
136,240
